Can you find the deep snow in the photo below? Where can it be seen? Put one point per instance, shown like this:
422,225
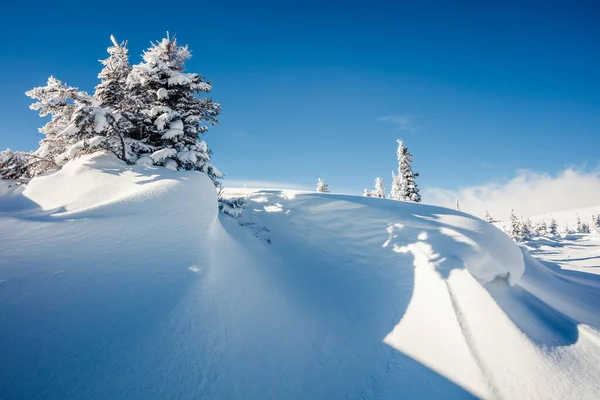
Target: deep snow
123,282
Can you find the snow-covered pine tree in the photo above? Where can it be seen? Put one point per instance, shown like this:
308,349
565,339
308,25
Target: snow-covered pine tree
125,136
367,193
60,102
15,165
457,206
596,222
553,227
396,187
379,188
585,227
525,229
514,227
578,227
175,114
542,228
409,190
488,218
322,187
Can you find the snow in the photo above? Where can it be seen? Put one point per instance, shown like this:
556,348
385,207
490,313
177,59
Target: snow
160,155
162,93
175,129
122,281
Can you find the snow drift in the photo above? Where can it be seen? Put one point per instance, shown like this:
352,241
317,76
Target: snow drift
123,282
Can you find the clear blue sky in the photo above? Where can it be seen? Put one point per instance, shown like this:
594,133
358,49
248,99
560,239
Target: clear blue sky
313,89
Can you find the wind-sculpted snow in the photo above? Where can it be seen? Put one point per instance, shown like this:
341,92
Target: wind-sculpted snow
122,282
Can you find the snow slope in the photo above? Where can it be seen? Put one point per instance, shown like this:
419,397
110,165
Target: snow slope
123,282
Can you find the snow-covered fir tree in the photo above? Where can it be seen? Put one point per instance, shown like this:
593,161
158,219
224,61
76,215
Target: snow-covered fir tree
514,226
488,218
409,191
396,187
585,227
578,227
322,187
596,223
525,229
553,227
175,114
59,101
367,193
379,189
541,228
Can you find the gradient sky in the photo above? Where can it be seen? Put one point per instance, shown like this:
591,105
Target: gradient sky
478,90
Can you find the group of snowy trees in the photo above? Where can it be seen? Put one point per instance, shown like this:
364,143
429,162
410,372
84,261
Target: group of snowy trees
404,186
523,229
150,113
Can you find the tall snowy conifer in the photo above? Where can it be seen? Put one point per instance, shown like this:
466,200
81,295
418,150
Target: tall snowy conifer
396,187
409,190
175,114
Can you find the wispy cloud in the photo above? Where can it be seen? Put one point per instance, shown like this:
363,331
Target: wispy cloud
529,193
254,184
402,122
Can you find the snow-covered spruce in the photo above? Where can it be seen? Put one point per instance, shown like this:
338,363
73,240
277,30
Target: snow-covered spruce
322,187
175,116
379,188
404,187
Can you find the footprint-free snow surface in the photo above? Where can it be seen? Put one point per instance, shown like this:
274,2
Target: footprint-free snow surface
123,282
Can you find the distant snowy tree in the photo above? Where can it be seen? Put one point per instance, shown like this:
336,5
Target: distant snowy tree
585,227
409,190
541,228
367,193
596,223
395,192
553,227
175,114
488,218
379,188
525,229
457,206
514,227
578,227
322,187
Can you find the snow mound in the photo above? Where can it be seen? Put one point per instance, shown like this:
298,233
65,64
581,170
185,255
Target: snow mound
122,281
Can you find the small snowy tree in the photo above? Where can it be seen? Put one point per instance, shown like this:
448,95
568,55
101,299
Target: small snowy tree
525,229
541,228
367,193
406,177
578,227
514,227
395,191
488,218
457,206
553,227
596,223
379,188
322,187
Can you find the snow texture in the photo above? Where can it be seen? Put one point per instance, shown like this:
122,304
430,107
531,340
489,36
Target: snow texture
124,282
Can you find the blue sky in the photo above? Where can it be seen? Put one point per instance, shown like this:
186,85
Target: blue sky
477,90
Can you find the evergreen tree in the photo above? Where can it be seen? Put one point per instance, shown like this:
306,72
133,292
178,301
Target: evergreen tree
488,218
457,206
322,187
60,102
174,113
409,190
553,227
596,222
367,193
514,228
542,228
396,187
578,227
525,229
585,227
379,188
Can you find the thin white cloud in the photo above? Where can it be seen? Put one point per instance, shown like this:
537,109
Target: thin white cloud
529,194
403,122
253,184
